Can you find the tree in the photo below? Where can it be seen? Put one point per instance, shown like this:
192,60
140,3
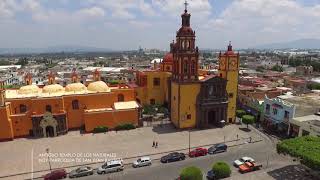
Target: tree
240,113
277,68
248,119
260,69
306,148
191,173
221,169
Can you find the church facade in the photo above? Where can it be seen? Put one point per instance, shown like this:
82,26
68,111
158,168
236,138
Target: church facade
194,98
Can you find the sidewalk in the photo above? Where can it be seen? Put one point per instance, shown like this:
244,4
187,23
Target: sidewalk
21,155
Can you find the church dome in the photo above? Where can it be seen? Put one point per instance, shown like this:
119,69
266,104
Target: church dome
53,88
76,87
29,89
98,86
168,58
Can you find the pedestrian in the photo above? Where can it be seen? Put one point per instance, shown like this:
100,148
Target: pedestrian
153,144
156,144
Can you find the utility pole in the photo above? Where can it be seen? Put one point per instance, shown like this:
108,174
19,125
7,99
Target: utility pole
47,150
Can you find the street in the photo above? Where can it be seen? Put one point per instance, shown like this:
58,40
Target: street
262,152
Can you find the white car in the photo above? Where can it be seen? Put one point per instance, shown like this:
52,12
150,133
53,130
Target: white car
144,161
111,166
242,160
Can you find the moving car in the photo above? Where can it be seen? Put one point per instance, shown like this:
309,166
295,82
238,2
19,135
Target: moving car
56,174
175,156
198,152
211,175
81,171
218,148
248,167
111,166
242,160
144,161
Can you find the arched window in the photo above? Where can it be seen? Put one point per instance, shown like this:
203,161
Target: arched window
48,108
120,98
75,104
23,108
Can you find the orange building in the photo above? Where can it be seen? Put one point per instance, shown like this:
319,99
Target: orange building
53,109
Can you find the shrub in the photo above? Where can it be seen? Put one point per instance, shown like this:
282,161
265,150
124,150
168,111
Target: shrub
240,113
100,129
191,173
306,148
221,169
248,119
127,126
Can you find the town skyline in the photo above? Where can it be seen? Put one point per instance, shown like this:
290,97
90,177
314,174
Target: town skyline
111,24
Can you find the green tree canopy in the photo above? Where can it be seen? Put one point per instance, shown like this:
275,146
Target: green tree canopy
221,169
191,173
277,68
240,113
307,148
248,119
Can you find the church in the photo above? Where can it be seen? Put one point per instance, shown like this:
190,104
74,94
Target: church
195,100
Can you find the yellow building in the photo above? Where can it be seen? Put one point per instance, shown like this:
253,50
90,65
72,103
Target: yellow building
152,87
229,70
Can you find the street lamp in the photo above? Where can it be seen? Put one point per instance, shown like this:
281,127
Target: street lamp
47,150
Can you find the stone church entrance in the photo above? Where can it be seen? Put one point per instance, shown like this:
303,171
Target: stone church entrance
49,125
49,131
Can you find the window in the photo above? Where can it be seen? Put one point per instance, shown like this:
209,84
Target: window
75,104
48,108
189,116
152,101
230,95
192,68
185,67
268,108
286,114
156,81
275,111
23,108
120,97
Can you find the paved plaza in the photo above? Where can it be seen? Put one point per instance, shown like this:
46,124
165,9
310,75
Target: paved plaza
26,155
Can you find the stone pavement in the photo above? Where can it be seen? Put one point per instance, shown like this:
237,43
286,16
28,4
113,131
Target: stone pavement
27,155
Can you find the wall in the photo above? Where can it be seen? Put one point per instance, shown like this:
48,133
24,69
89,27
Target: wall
109,119
281,106
183,103
6,131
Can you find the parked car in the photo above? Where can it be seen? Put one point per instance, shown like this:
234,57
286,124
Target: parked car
218,148
111,166
211,175
249,166
144,161
242,160
198,152
175,156
81,171
56,174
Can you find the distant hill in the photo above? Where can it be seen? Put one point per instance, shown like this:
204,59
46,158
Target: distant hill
52,49
299,44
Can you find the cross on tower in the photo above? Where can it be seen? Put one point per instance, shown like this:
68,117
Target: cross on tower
186,6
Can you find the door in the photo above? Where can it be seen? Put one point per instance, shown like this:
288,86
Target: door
50,131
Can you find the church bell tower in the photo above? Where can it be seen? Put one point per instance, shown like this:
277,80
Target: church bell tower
185,52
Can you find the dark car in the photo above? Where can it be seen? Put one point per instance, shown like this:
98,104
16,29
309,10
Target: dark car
81,171
198,152
211,175
56,174
218,148
175,156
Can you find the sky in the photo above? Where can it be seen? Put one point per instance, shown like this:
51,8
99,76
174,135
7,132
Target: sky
128,24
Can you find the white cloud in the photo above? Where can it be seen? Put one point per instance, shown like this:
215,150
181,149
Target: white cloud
253,22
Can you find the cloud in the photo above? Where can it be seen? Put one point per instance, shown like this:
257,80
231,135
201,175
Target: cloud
251,22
